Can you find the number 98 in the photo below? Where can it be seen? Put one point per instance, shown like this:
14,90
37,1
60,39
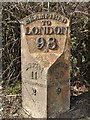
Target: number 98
51,43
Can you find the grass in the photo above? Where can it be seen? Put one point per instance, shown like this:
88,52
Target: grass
12,89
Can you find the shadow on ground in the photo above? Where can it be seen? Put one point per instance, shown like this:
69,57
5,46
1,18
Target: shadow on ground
80,108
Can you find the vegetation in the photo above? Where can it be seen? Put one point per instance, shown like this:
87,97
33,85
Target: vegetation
13,89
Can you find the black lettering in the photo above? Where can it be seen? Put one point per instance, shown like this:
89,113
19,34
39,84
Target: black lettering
49,23
55,17
46,30
52,43
58,30
43,23
43,30
40,43
35,31
50,30
45,16
34,91
58,91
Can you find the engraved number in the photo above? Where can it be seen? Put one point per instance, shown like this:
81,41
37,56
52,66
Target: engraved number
34,91
51,43
58,91
34,75
40,43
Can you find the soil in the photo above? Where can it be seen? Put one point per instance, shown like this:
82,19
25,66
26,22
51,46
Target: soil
80,107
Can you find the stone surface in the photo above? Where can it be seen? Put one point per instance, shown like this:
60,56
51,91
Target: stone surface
45,52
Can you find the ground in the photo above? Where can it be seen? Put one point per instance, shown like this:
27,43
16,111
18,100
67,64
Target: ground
80,107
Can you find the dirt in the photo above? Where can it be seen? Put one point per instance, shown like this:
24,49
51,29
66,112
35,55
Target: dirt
80,107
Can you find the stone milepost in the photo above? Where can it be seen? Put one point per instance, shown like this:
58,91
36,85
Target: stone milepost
45,55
